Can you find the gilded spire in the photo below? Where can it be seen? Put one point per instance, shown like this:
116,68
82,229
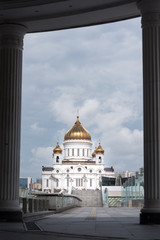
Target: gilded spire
77,114
77,132
99,149
57,148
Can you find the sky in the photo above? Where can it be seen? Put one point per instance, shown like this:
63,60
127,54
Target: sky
96,70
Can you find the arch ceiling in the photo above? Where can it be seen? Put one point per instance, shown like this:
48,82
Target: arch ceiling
50,15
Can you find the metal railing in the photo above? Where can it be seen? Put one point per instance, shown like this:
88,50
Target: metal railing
37,202
133,189
33,205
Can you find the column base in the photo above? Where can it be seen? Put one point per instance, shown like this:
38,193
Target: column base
10,216
149,218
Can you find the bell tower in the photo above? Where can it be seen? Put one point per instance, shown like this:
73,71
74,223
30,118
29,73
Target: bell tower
57,154
99,152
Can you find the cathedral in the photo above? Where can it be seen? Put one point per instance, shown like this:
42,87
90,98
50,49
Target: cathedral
76,166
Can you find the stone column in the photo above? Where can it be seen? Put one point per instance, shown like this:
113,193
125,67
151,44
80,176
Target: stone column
11,46
150,11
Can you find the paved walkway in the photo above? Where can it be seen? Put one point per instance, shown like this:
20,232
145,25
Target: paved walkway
83,223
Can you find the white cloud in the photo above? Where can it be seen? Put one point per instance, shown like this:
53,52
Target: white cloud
125,148
42,153
36,128
40,156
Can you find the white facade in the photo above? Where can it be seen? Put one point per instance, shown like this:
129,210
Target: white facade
77,167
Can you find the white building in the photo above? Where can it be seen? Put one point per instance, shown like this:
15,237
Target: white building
77,167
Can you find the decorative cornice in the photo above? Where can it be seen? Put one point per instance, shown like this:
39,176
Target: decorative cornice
11,36
150,11
65,162
151,19
148,6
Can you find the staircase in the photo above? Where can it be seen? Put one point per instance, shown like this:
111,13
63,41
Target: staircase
90,198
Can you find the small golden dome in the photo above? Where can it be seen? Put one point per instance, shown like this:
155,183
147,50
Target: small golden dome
93,154
99,149
77,132
57,149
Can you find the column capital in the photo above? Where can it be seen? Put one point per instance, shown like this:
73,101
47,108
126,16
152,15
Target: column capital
11,35
148,6
150,11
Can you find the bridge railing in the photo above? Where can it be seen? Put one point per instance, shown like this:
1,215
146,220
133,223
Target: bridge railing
60,202
33,205
45,202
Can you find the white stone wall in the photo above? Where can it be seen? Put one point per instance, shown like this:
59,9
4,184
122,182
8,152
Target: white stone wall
46,182
75,176
77,150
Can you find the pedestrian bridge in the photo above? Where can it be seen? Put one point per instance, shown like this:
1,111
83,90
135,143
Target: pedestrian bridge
83,223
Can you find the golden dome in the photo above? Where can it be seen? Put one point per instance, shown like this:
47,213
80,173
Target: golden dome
57,149
99,149
93,154
77,132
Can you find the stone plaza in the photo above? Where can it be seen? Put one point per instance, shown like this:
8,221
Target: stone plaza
82,223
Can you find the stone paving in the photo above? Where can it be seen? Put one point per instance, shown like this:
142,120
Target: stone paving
84,223
106,222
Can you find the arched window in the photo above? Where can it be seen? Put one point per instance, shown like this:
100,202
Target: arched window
90,182
79,182
100,159
57,182
87,152
67,182
46,182
72,151
57,159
